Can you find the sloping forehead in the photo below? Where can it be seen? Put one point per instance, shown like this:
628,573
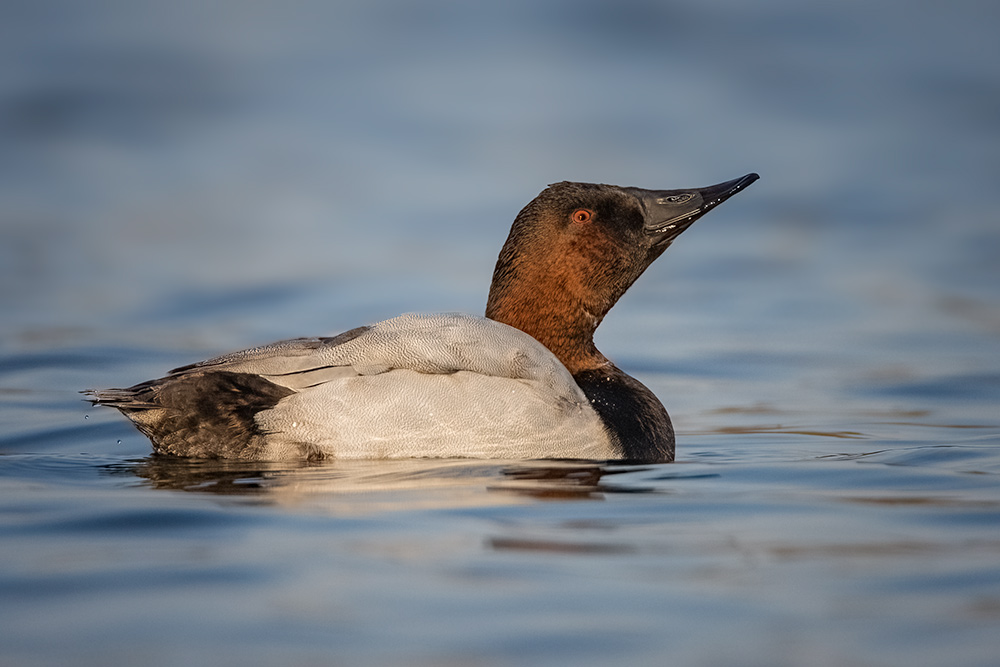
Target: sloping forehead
566,194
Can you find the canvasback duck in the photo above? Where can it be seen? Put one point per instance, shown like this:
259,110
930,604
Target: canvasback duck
525,381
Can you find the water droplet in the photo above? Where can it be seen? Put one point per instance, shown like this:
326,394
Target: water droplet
119,442
86,416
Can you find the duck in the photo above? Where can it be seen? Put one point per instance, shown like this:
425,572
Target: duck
523,381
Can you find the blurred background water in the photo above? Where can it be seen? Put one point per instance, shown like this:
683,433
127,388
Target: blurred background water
183,179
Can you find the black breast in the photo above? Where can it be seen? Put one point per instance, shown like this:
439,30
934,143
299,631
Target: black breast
631,413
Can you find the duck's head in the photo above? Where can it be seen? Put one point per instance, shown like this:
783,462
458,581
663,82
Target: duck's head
576,248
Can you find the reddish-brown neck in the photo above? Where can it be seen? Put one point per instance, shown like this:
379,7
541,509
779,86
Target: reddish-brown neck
548,295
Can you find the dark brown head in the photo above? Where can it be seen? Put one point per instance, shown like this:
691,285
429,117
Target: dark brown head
577,247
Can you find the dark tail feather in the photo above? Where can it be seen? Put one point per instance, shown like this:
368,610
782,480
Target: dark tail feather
132,398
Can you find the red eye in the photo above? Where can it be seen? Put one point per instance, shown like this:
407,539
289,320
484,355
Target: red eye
581,215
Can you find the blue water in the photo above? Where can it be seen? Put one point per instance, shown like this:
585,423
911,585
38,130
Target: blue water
184,180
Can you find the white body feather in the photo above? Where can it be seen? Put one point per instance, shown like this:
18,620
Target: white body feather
444,385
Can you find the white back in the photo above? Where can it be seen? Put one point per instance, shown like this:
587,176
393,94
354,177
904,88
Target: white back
424,385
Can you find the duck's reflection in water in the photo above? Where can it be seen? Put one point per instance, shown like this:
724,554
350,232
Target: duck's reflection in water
347,487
